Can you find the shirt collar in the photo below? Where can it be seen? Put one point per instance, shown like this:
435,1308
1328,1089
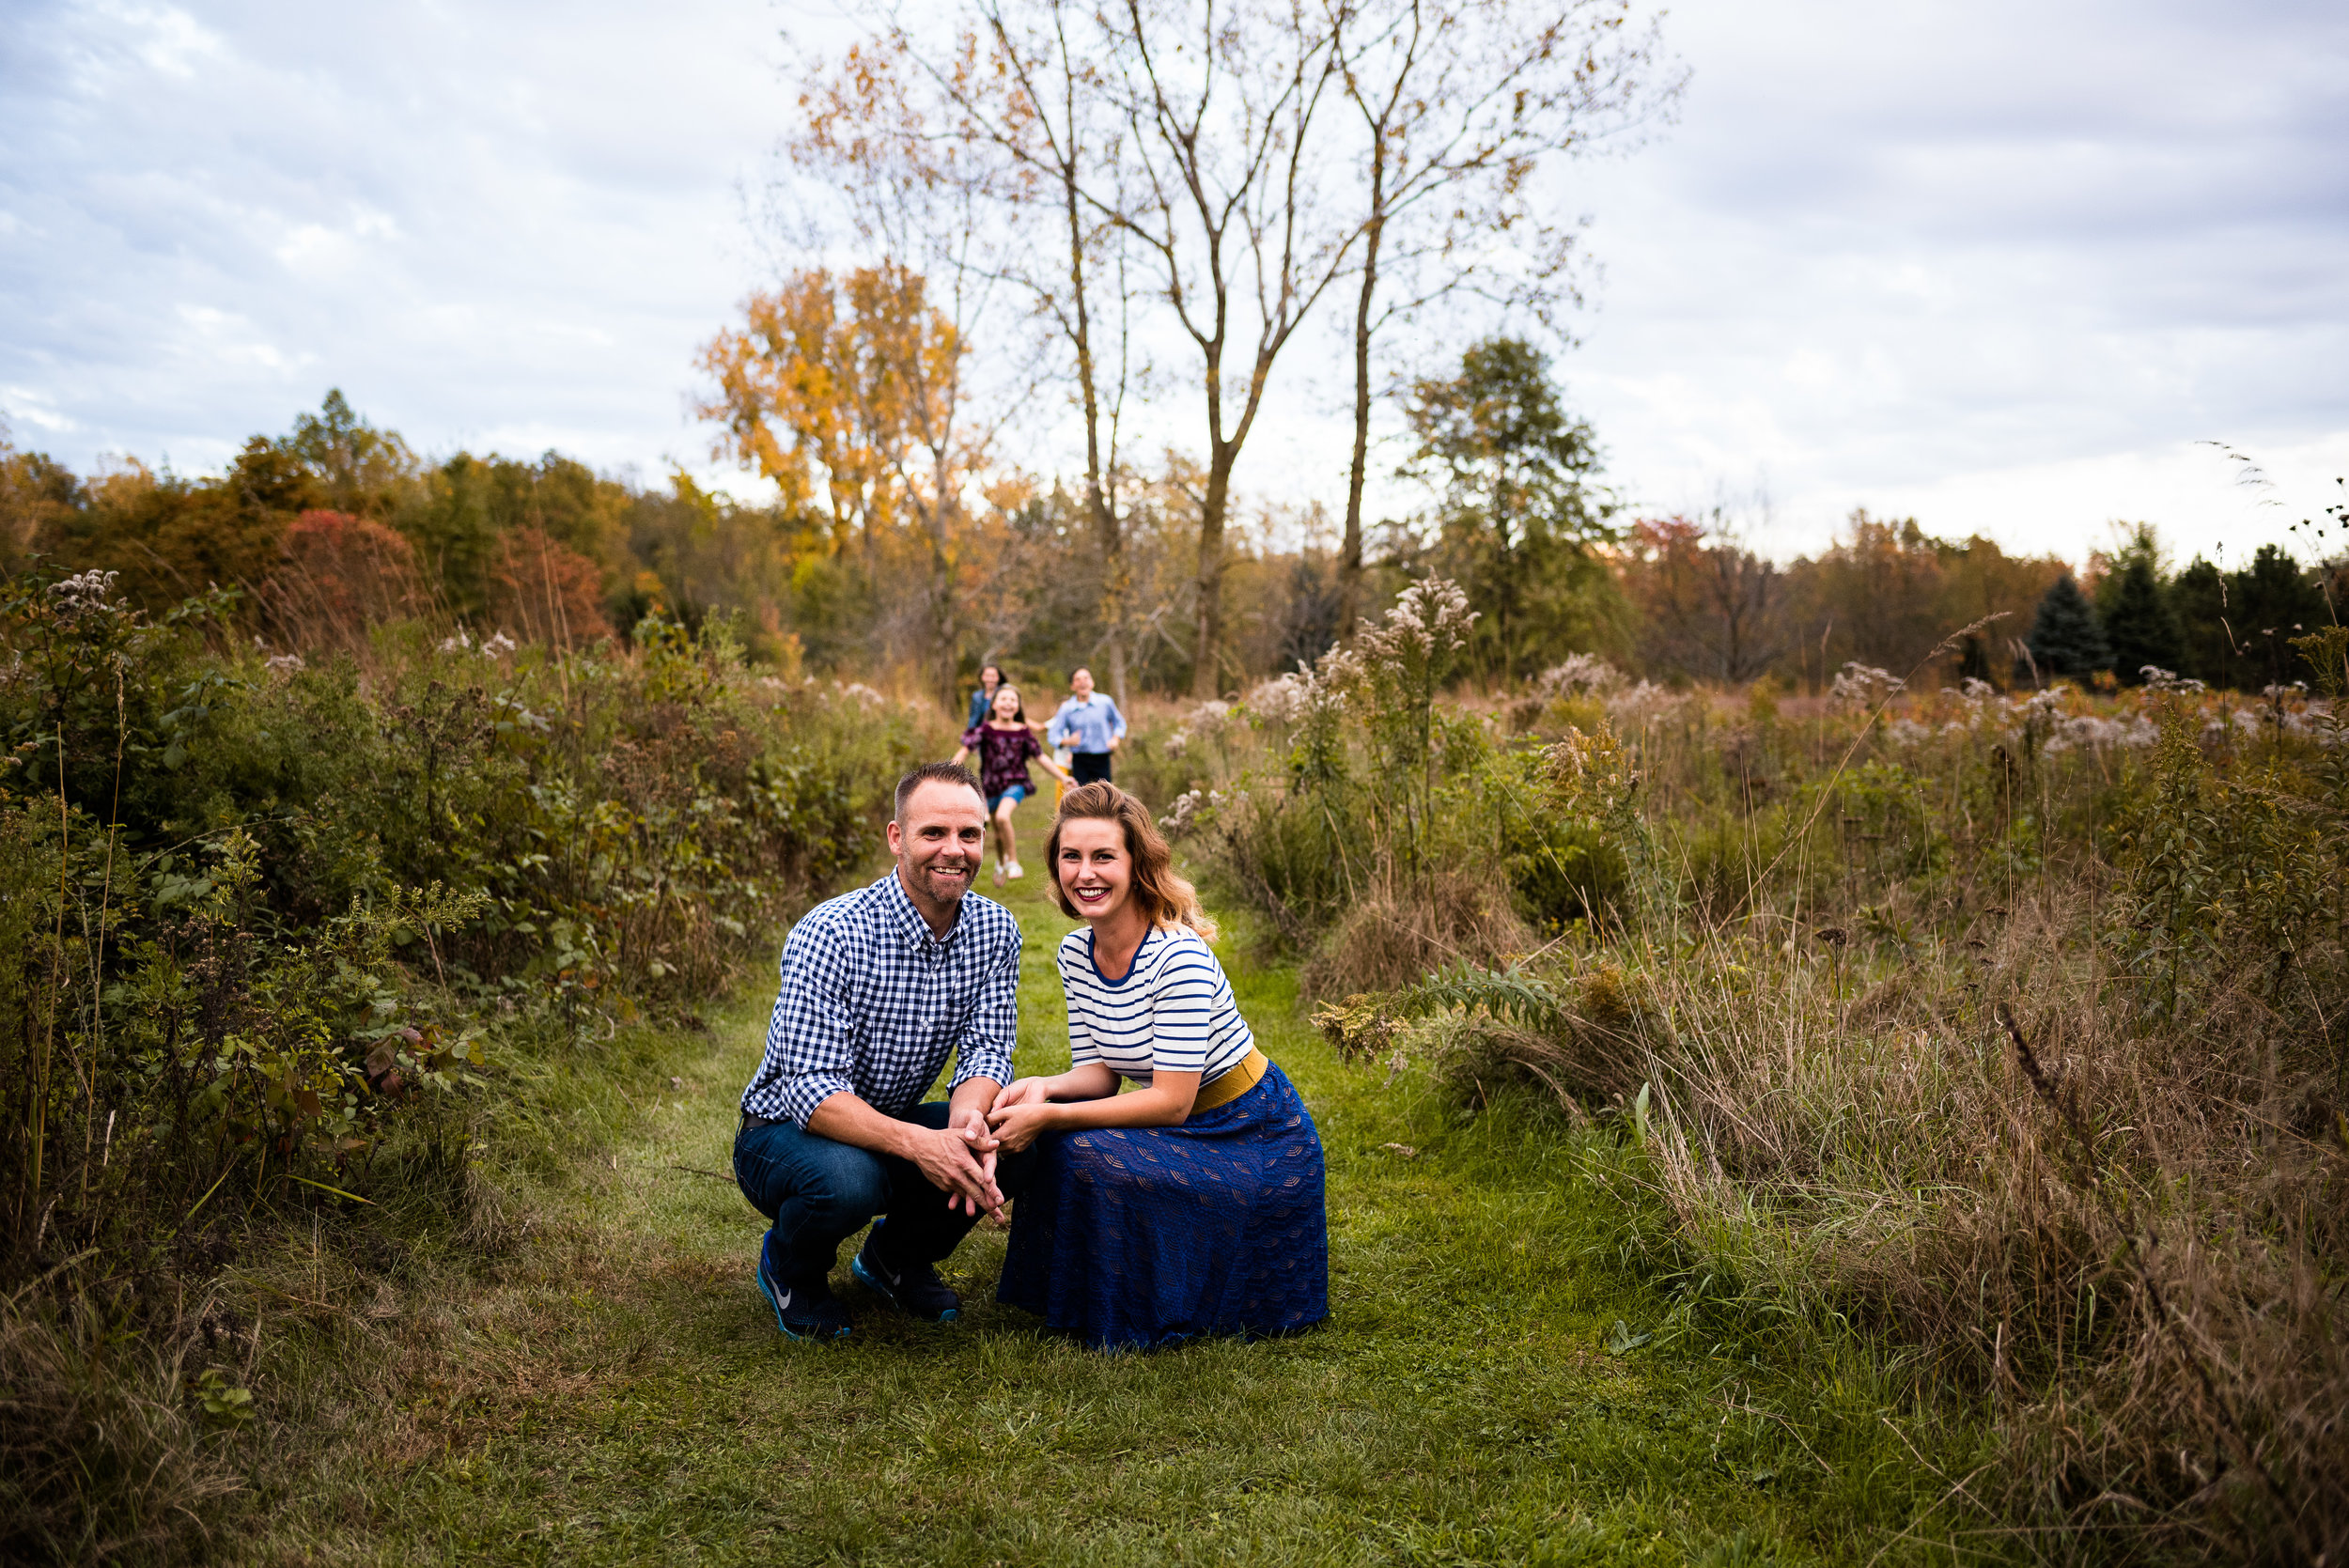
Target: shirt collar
908,920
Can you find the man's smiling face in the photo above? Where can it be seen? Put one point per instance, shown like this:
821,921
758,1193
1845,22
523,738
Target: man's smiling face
938,842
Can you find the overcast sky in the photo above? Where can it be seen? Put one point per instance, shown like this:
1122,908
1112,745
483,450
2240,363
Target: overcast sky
2000,266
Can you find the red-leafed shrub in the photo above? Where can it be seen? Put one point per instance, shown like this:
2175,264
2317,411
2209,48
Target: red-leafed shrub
338,575
543,591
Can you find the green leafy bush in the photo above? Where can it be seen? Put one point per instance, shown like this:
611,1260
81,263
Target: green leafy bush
265,923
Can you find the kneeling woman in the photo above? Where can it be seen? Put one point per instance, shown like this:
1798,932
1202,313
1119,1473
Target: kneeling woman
1193,1203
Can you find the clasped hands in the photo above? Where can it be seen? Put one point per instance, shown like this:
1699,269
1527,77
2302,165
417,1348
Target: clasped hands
960,1160
1022,1110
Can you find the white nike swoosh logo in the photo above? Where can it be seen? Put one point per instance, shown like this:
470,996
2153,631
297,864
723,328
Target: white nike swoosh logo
786,1298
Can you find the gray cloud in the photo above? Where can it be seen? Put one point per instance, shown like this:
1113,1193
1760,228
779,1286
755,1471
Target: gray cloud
1998,264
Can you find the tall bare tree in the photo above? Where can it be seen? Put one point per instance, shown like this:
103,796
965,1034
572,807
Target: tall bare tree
1462,104
1012,107
1229,147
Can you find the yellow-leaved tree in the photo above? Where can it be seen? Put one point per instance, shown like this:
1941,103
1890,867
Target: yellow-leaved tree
846,389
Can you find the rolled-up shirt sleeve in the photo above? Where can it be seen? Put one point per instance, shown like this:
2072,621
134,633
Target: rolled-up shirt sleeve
985,1049
811,1040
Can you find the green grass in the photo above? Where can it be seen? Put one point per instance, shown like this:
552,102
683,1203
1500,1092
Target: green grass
613,1389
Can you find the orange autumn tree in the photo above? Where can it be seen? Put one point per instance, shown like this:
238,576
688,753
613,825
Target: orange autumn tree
848,393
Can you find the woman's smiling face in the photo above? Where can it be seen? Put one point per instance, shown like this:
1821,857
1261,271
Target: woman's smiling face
1094,867
1006,703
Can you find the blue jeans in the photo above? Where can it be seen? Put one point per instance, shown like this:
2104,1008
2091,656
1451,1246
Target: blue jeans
819,1192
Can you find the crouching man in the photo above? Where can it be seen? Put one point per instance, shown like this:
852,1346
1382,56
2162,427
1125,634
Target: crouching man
879,987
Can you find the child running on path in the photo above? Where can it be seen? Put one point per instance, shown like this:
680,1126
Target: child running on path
1006,744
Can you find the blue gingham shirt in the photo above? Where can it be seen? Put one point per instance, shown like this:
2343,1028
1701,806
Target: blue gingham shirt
872,1003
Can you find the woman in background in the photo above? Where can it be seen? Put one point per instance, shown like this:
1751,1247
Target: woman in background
1006,743
983,700
1193,1205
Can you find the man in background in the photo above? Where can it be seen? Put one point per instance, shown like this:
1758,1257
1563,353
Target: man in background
1089,724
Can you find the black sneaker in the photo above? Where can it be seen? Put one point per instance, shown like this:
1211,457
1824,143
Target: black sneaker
915,1289
802,1311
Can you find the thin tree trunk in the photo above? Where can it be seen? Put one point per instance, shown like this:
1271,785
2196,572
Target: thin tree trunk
1350,551
1107,534
1207,675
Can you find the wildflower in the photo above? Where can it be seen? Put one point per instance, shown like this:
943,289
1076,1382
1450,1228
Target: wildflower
1866,684
84,593
1180,819
1641,701
497,646
1581,675
1284,699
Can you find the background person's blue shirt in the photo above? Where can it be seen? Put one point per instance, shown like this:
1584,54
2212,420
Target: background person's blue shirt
1086,726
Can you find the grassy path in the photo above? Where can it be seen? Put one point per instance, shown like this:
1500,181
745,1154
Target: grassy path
618,1392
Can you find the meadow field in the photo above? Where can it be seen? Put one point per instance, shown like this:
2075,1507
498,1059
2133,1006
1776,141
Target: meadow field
1857,1124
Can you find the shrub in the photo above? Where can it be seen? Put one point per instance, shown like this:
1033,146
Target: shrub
265,925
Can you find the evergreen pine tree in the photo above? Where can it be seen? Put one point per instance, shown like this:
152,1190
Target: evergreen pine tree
2065,639
2139,623
2275,600
2207,652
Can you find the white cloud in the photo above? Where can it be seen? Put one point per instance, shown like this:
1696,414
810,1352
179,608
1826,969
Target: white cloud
1993,263
33,408
322,250
165,38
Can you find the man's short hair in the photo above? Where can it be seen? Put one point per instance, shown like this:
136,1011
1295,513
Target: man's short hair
935,772
1081,670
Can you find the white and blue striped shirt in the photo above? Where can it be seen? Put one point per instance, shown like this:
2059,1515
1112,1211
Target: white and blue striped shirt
1172,1012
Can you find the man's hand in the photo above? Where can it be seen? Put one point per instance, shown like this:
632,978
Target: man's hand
970,1121
949,1162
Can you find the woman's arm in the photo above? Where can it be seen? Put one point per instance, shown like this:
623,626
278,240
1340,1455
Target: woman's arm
1086,1081
959,757
1166,1103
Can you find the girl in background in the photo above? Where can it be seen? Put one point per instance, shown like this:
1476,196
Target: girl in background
1006,743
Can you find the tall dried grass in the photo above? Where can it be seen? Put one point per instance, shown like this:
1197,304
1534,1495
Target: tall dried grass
2127,1235
2006,1032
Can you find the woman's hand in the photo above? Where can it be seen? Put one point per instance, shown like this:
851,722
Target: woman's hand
1016,1126
1020,1091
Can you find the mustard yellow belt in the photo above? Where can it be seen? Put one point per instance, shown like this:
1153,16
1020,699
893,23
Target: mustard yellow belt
1233,1084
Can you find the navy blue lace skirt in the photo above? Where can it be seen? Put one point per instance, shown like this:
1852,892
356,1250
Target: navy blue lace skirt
1142,1235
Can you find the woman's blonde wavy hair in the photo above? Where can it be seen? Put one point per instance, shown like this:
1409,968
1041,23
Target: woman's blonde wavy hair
1166,898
